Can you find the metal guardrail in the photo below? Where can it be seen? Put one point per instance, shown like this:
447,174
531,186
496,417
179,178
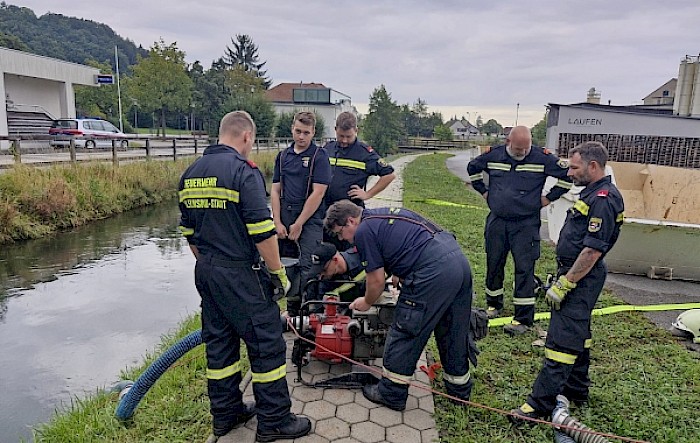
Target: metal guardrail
36,149
434,144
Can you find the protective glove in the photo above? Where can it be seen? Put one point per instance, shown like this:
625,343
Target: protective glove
557,292
280,283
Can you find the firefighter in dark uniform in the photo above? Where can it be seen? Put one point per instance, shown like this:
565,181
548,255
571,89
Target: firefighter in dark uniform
516,175
345,266
591,228
436,294
225,218
352,163
301,177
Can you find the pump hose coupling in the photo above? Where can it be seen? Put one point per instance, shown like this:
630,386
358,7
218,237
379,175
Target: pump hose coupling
574,430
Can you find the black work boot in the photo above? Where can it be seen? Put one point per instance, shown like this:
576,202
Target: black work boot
519,416
223,428
371,393
294,427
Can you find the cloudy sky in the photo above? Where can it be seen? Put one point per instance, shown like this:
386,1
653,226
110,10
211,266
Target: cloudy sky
462,57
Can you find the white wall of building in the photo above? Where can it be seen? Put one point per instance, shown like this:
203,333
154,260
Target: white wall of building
29,91
329,113
34,80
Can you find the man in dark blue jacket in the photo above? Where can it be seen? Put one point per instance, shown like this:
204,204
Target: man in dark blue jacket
225,218
516,176
302,175
436,294
591,229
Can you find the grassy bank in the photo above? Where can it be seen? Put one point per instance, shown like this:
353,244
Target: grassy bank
645,385
35,202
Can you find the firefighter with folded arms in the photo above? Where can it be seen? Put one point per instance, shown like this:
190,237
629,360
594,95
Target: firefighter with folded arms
591,229
225,218
517,172
436,294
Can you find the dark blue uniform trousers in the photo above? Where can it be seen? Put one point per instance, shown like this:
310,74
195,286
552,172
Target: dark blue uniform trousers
522,239
567,350
311,236
237,305
435,296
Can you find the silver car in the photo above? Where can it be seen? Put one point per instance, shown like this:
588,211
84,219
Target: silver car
88,133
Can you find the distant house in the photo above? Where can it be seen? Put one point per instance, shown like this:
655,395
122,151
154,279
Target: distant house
462,129
322,100
663,96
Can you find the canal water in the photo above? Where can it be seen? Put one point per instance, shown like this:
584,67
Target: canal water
79,307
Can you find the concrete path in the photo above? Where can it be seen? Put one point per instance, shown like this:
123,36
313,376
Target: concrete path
344,415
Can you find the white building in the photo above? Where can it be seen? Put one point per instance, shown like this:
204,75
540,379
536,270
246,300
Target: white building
37,89
631,133
462,129
315,97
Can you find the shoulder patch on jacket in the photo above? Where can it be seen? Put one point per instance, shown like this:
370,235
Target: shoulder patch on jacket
252,164
594,224
602,193
382,162
564,164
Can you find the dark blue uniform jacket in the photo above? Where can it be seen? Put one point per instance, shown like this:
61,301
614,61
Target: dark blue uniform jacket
515,187
352,166
594,221
223,205
391,242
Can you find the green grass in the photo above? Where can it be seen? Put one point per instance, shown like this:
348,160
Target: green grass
35,202
646,386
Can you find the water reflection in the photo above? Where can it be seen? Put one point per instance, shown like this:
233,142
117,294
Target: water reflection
25,264
79,307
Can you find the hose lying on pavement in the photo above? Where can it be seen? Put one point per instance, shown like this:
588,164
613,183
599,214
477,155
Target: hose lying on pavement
131,394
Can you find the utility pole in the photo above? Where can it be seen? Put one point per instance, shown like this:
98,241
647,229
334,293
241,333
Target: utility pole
119,90
517,110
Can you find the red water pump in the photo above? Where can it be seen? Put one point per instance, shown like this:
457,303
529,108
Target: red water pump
331,333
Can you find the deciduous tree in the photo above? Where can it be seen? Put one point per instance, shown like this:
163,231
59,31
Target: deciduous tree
160,81
443,133
539,132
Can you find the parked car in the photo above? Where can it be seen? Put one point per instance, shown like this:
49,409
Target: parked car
88,133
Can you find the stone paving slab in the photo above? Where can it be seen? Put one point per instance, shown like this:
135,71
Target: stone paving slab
344,415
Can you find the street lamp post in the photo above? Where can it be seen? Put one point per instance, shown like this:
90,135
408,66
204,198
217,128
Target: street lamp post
517,111
136,114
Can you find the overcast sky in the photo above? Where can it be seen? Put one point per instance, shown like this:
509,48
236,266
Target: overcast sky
462,57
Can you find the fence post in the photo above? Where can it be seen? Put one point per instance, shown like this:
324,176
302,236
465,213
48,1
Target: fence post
16,150
71,149
174,150
115,157
148,148
195,146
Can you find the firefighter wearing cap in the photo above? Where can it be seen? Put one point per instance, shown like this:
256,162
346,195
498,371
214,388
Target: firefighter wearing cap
591,228
329,264
225,218
436,293
301,176
516,176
